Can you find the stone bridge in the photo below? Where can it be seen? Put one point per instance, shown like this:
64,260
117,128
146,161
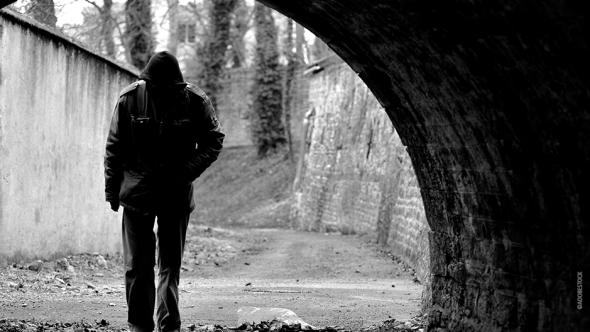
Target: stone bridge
491,100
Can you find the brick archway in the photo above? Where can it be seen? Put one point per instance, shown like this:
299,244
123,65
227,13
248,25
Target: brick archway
492,103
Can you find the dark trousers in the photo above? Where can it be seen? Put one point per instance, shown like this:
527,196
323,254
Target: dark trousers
139,245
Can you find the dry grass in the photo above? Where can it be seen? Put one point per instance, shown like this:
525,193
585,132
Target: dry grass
240,189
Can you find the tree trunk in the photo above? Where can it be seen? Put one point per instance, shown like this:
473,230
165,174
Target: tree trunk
107,28
139,38
266,121
172,44
216,45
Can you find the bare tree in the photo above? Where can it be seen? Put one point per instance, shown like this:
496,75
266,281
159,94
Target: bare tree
101,29
42,11
107,27
138,32
106,42
172,44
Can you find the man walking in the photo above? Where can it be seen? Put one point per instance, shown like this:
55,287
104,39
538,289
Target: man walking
163,135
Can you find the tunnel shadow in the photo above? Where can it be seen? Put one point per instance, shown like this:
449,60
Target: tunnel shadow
487,100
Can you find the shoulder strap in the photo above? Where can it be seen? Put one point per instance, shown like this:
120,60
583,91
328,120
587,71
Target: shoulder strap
196,90
129,88
140,97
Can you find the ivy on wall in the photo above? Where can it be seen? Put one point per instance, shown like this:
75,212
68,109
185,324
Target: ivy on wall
266,120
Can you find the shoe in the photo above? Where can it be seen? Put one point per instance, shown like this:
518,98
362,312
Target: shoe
175,330
137,328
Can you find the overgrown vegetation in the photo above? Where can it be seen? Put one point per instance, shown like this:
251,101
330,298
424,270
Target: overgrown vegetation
240,189
213,56
268,130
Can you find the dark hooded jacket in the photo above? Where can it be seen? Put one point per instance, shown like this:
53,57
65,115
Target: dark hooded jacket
163,135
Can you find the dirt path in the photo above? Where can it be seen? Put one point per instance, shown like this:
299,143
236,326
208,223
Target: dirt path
325,279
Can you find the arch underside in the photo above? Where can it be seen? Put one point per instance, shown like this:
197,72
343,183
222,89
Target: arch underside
491,101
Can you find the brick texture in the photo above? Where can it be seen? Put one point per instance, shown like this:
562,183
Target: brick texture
357,176
491,99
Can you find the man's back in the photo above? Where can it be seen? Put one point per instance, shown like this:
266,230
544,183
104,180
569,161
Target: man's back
158,125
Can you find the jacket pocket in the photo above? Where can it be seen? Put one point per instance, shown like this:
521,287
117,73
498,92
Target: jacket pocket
135,191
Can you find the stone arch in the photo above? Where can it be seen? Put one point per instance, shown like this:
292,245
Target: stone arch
491,100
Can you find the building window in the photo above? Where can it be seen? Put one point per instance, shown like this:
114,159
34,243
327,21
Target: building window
191,33
181,32
187,33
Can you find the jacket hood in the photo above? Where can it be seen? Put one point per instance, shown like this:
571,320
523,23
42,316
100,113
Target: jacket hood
163,70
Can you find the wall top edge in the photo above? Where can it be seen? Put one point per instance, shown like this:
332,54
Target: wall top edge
57,36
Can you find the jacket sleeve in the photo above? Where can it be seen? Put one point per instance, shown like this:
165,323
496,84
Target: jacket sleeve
113,165
209,140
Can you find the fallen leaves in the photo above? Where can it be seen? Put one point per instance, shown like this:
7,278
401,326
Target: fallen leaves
34,326
274,326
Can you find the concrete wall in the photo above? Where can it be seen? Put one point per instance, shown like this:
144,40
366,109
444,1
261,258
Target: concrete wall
56,101
357,176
